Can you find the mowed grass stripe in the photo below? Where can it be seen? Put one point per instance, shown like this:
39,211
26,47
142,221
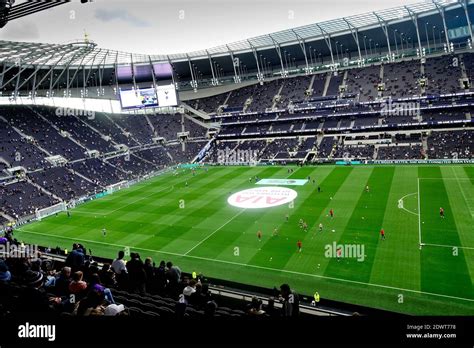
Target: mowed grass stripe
215,243
312,258
210,216
461,195
244,236
441,271
246,225
83,215
284,248
142,197
397,259
364,232
470,173
119,229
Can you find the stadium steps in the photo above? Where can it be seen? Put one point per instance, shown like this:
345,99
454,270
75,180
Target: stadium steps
278,94
326,84
319,139
41,188
80,175
113,165
102,135
150,124
422,73
25,136
376,152
6,216
463,67
424,142
344,80
227,98
124,132
51,124
311,82
143,159
200,123
198,113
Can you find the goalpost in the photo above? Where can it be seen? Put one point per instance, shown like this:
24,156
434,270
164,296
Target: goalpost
54,209
118,186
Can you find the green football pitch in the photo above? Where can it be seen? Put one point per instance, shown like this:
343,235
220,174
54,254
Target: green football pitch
194,226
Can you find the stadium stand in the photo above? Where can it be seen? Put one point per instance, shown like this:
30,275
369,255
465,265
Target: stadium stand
43,284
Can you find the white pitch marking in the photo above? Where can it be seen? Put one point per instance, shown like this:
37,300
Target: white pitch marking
260,267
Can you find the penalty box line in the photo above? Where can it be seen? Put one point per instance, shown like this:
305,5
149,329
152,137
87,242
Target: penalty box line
419,218
419,214
257,267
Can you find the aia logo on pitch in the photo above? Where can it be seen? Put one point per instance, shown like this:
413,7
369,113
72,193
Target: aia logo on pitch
262,197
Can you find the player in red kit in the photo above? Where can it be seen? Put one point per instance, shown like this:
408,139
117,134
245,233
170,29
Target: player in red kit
331,213
441,212
382,234
299,244
259,235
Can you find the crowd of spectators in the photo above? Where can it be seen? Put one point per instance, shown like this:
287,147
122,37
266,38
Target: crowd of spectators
126,286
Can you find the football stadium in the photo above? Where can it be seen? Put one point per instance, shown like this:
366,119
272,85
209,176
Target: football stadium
321,171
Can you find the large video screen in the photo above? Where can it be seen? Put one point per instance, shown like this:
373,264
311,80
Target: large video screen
167,95
132,99
162,96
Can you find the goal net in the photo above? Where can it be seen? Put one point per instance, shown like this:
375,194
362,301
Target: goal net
116,187
42,213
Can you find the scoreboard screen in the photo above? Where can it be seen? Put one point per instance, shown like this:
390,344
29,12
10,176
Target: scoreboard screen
141,98
162,96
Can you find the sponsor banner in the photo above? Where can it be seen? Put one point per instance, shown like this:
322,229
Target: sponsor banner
429,161
346,163
262,197
283,182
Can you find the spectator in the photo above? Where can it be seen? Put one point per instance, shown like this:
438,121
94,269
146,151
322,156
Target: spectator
113,310
190,289
76,258
61,286
93,304
255,308
210,309
33,298
5,275
107,276
161,277
95,284
118,265
290,301
136,273
174,277
270,308
149,268
77,285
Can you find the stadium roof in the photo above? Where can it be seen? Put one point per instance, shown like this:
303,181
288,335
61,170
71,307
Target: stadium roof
383,35
87,53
